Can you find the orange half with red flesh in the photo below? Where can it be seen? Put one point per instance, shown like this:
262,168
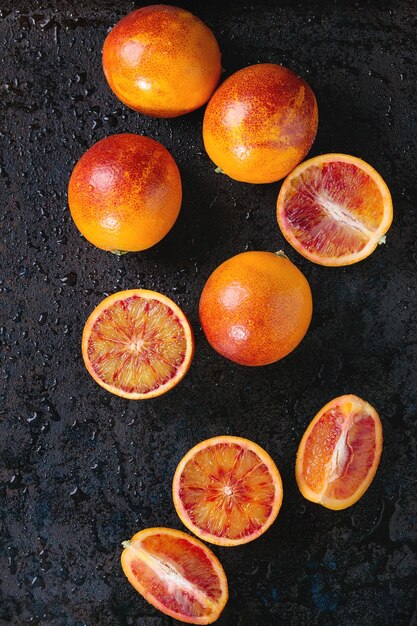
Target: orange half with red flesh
137,344
227,490
339,453
177,574
334,209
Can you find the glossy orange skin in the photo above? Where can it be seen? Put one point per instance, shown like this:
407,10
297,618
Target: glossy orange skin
260,123
125,193
162,61
256,308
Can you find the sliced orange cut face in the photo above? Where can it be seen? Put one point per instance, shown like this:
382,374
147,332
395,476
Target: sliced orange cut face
339,453
137,344
334,209
227,490
177,574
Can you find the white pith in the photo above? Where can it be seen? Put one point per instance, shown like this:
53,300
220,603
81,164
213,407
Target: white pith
342,215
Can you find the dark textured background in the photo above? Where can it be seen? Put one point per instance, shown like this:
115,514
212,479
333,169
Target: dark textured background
84,470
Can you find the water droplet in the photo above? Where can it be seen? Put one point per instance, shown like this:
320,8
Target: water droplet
70,279
78,495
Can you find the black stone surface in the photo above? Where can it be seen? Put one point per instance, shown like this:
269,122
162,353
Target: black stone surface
82,470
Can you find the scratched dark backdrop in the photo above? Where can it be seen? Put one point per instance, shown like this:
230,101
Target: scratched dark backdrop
82,470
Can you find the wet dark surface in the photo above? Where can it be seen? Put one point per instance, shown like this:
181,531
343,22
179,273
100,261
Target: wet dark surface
83,470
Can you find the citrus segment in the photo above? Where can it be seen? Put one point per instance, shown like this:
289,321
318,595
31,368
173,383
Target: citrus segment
227,490
137,344
177,574
339,453
334,209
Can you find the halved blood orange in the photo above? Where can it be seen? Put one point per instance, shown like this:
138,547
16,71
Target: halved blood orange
137,344
177,574
227,490
339,453
334,209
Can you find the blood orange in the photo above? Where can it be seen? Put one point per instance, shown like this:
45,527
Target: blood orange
137,344
255,308
334,209
162,61
260,123
125,193
339,453
177,574
227,490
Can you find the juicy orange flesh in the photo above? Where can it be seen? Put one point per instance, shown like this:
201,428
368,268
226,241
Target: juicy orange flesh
339,453
227,491
137,344
181,577
320,447
333,209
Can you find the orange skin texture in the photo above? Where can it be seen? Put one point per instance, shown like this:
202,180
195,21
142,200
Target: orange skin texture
260,123
125,193
162,61
256,308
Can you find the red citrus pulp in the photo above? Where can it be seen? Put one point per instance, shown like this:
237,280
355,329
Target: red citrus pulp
177,574
339,453
137,344
227,490
334,209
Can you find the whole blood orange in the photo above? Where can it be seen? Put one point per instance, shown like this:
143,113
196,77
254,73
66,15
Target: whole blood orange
177,574
334,209
260,123
162,61
137,344
339,453
125,193
256,308
227,490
